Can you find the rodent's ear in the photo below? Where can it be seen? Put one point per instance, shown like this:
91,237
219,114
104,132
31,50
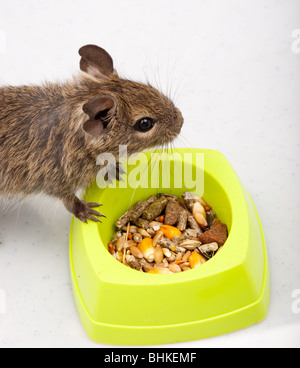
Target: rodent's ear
96,61
100,111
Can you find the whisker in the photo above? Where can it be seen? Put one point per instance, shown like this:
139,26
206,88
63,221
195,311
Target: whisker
181,139
153,74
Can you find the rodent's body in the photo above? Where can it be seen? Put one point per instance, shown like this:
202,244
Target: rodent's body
46,143
42,145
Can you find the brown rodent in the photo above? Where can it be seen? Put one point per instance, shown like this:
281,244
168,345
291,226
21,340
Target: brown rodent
51,135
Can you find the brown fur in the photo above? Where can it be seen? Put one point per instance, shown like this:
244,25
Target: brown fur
43,143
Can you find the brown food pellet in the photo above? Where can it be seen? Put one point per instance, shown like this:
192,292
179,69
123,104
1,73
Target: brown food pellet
218,234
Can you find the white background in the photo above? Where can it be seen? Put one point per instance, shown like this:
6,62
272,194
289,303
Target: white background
233,73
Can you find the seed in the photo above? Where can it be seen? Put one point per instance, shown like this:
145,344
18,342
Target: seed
202,201
170,196
190,244
210,247
146,265
184,264
162,265
137,237
195,198
191,232
174,267
158,254
157,237
184,237
185,258
188,199
133,262
117,235
167,253
151,231
144,233
194,224
162,219
180,238
129,243
199,214
132,229
186,268
178,257
210,217
165,262
136,252
172,257
155,225
121,242
180,250
165,242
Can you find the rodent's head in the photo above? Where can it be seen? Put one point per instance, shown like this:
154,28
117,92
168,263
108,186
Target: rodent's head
123,112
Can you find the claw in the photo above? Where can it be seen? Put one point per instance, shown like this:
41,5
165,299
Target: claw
82,209
92,204
83,219
96,213
92,218
86,212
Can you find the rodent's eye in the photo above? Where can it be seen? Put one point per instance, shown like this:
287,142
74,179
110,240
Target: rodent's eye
144,124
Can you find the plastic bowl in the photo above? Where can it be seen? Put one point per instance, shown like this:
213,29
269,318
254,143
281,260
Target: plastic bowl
121,306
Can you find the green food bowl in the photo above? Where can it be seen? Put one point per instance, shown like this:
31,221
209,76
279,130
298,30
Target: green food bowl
121,306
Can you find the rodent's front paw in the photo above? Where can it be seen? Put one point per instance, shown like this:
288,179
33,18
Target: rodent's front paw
84,211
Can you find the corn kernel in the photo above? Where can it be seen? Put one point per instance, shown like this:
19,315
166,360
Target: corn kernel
147,249
170,231
196,259
160,271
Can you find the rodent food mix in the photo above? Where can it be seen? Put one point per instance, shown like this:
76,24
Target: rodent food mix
165,234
